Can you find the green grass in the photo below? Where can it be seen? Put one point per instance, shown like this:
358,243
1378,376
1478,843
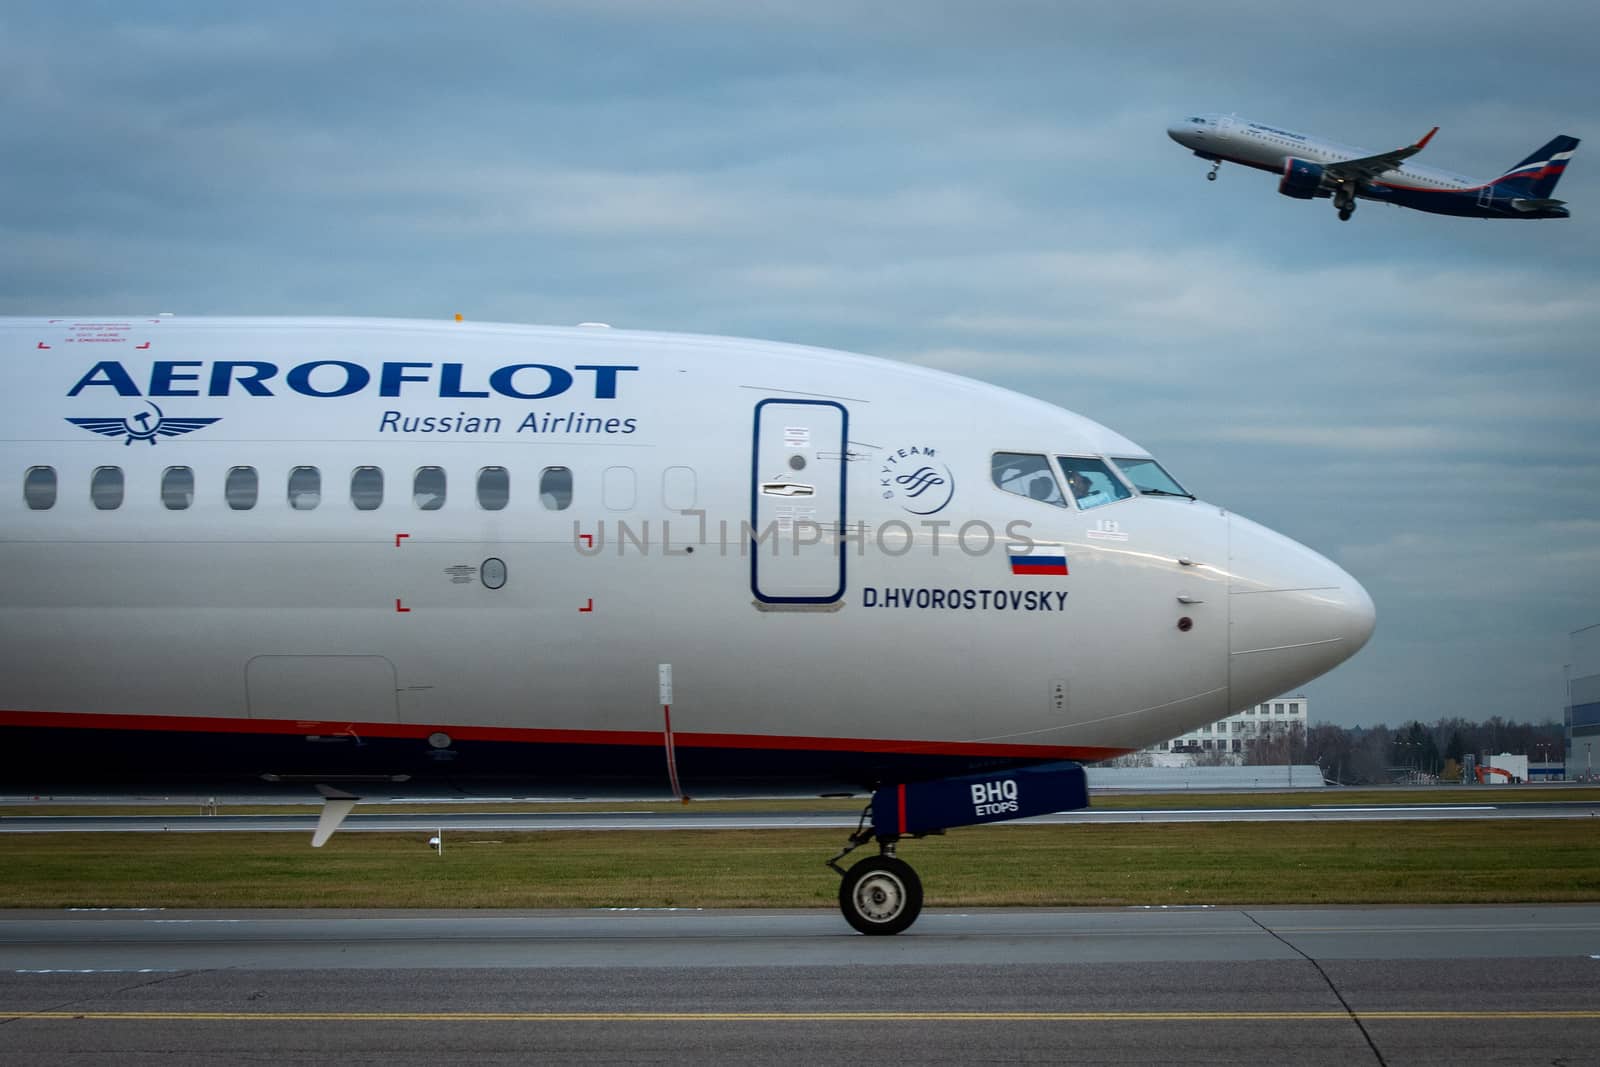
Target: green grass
1218,863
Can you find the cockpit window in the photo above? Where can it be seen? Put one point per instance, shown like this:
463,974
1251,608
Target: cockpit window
1149,477
1027,475
1091,482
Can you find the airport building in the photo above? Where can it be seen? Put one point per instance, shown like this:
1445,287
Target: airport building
1229,739
1583,704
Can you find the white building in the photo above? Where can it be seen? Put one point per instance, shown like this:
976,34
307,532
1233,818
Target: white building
1230,737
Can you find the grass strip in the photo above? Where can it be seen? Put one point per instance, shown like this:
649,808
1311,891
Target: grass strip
1221,863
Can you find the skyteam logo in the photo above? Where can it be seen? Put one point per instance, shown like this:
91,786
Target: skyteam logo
915,477
140,427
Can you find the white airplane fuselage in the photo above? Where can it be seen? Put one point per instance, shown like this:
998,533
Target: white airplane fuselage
630,638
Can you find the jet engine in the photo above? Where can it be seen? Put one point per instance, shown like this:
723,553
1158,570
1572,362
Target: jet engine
1301,179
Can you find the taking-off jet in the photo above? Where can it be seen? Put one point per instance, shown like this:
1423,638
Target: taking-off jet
1309,167
364,558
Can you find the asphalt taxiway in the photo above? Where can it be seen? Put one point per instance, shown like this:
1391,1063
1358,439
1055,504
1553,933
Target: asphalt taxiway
1257,985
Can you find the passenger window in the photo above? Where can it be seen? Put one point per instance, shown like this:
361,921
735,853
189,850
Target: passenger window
427,488
305,488
241,488
494,488
678,488
555,488
39,488
177,488
105,488
1091,482
617,488
366,488
1026,474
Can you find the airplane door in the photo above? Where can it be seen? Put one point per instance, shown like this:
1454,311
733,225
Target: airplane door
1486,196
797,496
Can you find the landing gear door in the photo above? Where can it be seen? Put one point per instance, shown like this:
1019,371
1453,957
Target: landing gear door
797,497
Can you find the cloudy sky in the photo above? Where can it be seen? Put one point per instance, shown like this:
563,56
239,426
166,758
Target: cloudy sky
982,187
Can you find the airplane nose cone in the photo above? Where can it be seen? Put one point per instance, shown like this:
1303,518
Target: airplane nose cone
1175,131
1293,614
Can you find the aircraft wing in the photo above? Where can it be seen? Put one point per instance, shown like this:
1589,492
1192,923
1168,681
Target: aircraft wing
1369,167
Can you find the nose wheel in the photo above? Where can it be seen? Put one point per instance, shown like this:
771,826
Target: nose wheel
881,895
1211,175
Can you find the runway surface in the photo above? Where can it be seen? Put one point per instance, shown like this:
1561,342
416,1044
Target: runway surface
1260,985
689,819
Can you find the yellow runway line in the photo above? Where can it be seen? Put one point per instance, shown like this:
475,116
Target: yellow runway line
790,1016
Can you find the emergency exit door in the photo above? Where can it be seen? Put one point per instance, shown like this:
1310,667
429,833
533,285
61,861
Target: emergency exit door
797,496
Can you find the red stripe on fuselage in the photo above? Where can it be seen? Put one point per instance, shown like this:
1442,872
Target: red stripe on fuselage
210,724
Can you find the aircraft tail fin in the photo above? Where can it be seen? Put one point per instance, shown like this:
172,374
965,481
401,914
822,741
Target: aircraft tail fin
1536,176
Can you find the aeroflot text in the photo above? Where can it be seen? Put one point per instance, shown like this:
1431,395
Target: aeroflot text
336,377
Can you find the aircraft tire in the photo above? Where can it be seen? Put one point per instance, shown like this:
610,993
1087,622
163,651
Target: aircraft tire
1345,213
881,895
1211,175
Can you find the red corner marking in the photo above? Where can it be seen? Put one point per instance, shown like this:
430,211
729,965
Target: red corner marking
143,346
398,607
43,345
589,606
398,538
587,539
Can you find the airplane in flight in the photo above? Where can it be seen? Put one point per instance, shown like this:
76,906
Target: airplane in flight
1309,168
358,558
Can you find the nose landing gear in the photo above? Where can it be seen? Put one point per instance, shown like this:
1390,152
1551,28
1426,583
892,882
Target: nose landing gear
882,894
1211,175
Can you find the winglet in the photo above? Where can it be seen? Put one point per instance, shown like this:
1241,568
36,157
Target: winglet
1420,145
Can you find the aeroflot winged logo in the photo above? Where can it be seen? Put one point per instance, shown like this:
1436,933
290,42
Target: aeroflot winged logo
139,427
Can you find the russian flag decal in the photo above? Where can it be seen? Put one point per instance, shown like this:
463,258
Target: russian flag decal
1037,562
